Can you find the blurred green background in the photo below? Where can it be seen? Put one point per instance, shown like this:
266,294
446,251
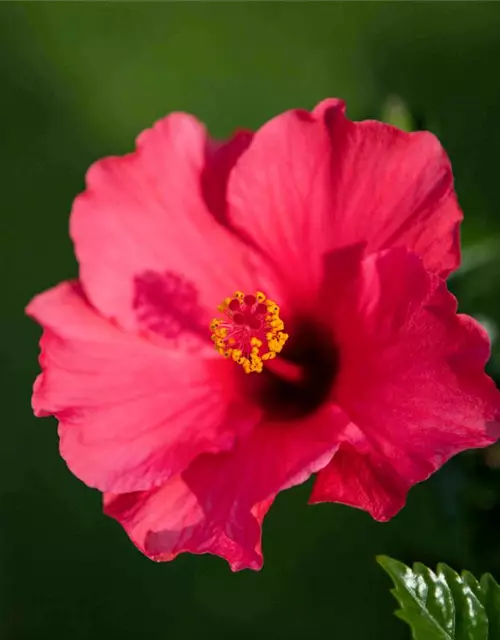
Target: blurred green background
81,80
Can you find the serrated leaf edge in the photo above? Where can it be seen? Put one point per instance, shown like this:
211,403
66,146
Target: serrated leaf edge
400,613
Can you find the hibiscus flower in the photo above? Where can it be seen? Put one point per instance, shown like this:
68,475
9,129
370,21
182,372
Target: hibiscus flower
253,312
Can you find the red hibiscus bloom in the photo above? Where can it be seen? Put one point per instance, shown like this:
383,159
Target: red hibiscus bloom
312,254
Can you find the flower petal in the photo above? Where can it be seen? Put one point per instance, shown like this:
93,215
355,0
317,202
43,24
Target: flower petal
221,158
169,520
218,505
144,217
131,413
310,183
412,383
273,457
280,195
361,477
392,188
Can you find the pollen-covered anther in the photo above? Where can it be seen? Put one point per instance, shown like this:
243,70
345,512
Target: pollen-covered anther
250,330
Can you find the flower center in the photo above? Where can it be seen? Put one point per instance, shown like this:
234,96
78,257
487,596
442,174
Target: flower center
250,331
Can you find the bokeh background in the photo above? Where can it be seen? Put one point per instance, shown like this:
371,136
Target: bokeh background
79,81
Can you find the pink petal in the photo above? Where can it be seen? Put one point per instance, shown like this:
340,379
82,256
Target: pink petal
412,382
131,413
280,195
221,158
363,478
219,504
392,188
311,183
169,520
147,244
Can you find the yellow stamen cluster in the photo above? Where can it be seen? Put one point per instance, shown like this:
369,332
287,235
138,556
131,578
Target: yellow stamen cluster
240,343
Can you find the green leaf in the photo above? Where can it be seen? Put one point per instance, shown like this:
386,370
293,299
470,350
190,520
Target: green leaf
444,605
491,603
